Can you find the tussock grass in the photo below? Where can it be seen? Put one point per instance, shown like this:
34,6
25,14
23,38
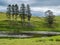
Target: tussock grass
31,41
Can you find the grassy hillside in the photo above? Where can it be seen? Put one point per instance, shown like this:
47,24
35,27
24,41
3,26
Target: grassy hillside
38,24
55,40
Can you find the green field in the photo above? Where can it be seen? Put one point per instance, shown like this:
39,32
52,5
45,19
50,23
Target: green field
38,24
55,40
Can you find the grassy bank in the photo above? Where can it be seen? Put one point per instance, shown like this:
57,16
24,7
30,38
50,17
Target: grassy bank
38,24
55,40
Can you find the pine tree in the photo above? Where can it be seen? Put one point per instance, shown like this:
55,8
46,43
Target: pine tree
9,12
16,11
22,13
28,12
13,11
49,18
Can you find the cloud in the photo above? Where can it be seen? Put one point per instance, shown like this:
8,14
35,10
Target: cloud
54,9
20,1
38,7
46,3
3,9
3,3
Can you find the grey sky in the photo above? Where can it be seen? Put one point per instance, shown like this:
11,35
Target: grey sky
38,7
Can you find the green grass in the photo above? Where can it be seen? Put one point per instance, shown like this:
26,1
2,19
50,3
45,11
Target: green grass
31,41
38,24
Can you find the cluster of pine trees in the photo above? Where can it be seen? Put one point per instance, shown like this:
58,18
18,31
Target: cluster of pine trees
13,12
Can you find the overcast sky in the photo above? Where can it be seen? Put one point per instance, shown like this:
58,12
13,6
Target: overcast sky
38,7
